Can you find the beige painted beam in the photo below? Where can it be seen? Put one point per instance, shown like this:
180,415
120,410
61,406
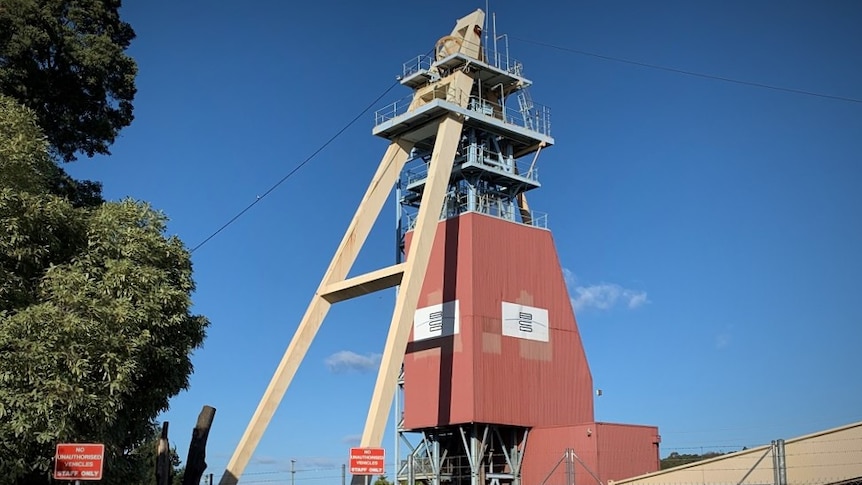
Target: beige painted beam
469,28
530,149
524,209
439,172
364,284
363,220
369,208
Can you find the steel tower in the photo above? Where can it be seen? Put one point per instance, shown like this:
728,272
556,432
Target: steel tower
495,355
483,339
502,136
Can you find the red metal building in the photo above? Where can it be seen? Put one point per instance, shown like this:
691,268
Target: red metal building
479,374
528,400
610,451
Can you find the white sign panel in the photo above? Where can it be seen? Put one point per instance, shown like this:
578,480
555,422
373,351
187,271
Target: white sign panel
525,322
436,321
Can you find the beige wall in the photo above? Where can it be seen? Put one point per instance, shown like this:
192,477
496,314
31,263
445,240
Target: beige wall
820,458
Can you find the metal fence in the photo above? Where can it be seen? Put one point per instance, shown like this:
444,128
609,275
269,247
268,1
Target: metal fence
799,463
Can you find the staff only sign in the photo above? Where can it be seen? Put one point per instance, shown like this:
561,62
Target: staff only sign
79,461
366,461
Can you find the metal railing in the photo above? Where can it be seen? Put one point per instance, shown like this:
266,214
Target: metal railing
501,60
421,467
414,175
392,110
453,467
498,58
536,218
400,107
522,168
537,118
416,64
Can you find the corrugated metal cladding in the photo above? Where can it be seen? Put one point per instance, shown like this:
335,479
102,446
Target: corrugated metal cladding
609,451
545,449
481,375
626,450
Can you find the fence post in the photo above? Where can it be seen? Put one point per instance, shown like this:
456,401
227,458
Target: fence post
196,462
782,464
163,458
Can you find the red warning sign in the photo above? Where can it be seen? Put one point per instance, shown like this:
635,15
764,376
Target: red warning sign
79,461
367,461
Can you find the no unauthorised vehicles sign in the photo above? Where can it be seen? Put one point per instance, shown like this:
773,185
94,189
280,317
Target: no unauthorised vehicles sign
367,461
79,461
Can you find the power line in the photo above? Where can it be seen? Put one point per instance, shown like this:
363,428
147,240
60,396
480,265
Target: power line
295,169
542,44
688,73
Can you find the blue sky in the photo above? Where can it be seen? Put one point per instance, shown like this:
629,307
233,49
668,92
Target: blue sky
711,231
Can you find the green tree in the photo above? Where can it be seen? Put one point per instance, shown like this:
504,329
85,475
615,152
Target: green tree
179,471
23,150
676,459
66,60
148,469
26,164
96,330
382,480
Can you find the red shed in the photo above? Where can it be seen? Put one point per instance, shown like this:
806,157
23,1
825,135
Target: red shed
609,451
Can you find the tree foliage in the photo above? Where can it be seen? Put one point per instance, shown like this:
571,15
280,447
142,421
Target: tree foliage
66,60
23,150
148,470
26,164
382,480
95,324
676,459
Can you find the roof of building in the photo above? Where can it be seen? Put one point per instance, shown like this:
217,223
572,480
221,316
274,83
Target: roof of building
831,456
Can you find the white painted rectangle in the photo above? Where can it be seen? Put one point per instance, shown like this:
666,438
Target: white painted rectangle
525,322
436,321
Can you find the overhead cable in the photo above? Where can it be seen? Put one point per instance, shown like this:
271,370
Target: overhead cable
295,169
687,72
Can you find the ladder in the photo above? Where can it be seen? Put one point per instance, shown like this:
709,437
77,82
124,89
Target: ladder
525,104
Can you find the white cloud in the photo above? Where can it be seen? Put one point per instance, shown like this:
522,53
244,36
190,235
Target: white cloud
724,338
352,439
267,460
636,298
602,296
346,360
569,277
